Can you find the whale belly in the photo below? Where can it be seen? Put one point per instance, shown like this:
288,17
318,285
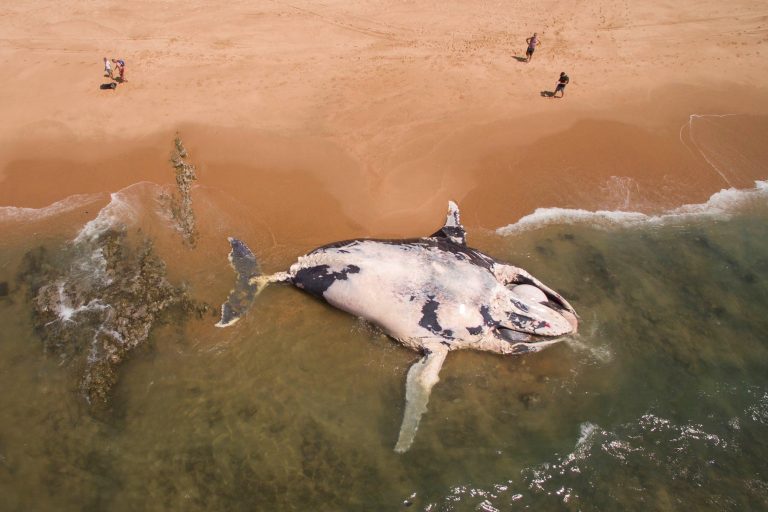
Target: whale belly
410,290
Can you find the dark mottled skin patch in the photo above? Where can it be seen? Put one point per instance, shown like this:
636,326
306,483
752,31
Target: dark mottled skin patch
451,232
519,320
443,244
512,335
489,320
525,280
316,280
520,348
519,305
429,315
475,330
429,319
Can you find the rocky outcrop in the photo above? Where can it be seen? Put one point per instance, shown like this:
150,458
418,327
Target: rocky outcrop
180,203
93,318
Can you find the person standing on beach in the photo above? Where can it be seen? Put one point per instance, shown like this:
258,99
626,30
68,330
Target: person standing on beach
532,41
107,68
120,65
561,83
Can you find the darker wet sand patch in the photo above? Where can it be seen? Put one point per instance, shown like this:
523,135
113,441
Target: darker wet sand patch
309,190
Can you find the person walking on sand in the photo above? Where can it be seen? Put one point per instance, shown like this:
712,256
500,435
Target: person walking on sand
561,83
532,41
120,65
107,68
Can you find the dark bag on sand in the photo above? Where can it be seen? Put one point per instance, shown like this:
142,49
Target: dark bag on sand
111,85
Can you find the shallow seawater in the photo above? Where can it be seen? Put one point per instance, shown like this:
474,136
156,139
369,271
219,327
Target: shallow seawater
660,403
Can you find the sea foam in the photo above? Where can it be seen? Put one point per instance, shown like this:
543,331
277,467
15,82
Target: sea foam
21,214
122,209
721,204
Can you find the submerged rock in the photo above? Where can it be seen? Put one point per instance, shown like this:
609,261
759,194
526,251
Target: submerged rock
98,305
530,400
95,301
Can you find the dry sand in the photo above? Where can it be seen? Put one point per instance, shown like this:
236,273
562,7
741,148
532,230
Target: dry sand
363,118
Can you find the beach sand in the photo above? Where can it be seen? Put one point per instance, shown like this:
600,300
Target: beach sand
336,119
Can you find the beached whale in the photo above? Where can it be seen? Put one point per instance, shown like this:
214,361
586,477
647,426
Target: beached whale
431,294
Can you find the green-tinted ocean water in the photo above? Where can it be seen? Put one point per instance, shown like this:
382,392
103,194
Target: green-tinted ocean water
660,402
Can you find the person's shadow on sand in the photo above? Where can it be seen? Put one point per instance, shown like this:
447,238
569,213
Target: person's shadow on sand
519,58
547,94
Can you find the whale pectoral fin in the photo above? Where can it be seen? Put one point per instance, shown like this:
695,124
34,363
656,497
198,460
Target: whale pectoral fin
422,376
452,229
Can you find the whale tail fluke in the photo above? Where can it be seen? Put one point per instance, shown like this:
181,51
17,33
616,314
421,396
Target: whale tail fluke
247,283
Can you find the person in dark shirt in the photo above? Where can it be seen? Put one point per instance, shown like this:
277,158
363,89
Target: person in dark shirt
532,41
561,83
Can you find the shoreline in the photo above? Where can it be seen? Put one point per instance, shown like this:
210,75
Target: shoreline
498,171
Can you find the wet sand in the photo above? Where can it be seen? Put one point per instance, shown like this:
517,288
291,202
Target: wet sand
328,120
309,189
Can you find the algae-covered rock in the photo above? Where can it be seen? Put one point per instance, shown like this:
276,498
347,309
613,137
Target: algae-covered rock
98,305
180,203
96,299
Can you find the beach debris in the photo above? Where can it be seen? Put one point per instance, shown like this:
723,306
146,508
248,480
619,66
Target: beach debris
180,202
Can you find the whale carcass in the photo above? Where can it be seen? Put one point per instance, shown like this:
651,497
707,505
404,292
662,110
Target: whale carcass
433,295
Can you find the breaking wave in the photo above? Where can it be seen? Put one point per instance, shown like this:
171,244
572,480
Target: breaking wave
122,209
633,459
720,205
631,444
10,214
